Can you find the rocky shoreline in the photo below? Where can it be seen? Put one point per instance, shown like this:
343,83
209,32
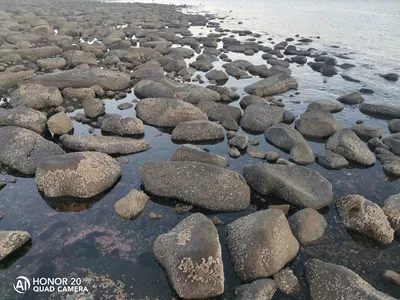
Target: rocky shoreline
87,89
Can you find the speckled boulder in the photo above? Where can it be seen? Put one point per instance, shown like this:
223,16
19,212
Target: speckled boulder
24,117
119,125
80,174
332,282
197,131
36,96
11,241
189,152
391,208
307,225
130,206
365,218
191,255
166,112
346,143
104,144
22,149
262,289
297,185
260,244
199,184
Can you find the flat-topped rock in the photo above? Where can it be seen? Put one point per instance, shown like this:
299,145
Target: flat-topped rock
36,96
203,185
166,112
83,77
79,174
317,124
332,106
11,241
257,118
191,255
167,88
189,152
197,131
382,110
331,282
104,144
119,125
22,149
24,117
297,185
275,84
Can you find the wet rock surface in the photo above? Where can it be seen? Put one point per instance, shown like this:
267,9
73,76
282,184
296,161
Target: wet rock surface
22,149
330,281
365,218
11,241
299,186
191,255
256,248
200,184
105,144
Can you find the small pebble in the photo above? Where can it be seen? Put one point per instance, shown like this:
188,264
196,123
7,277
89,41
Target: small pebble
217,221
14,180
359,121
154,216
272,156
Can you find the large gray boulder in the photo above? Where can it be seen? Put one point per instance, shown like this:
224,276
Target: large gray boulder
22,149
260,244
391,208
167,88
104,144
365,218
332,106
193,153
78,94
119,125
262,289
332,160
381,110
199,184
317,124
289,139
351,98
51,63
197,131
79,174
83,78
11,241
77,57
24,117
346,143
297,185
191,255
275,84
165,112
36,96
257,118
12,79
219,111
332,282
393,142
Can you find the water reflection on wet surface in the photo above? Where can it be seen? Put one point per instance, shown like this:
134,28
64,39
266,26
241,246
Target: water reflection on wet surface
72,237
